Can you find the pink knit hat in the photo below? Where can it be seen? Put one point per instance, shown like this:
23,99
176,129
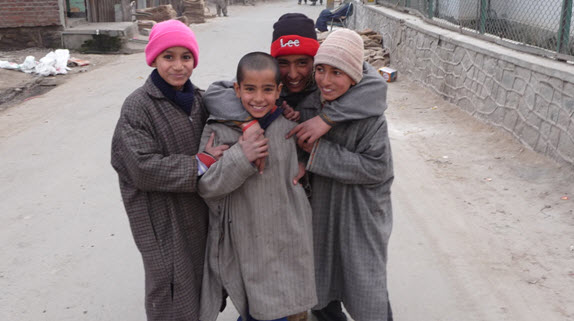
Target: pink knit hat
167,34
343,49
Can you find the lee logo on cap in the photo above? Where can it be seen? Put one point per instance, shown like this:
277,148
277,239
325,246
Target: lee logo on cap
290,43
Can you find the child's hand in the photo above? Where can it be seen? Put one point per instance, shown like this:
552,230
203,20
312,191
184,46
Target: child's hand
216,151
255,146
290,113
260,164
252,131
300,174
309,131
308,147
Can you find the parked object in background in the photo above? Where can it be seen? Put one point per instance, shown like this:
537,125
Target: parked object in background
336,17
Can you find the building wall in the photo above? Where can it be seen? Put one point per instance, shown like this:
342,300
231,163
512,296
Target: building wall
459,9
530,97
29,13
544,14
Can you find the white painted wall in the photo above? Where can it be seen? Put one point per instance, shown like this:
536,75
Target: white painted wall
540,13
459,9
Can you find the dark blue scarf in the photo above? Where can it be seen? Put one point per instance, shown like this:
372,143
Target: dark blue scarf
266,120
182,98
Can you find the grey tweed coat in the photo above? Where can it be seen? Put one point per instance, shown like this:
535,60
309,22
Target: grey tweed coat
351,175
260,243
153,150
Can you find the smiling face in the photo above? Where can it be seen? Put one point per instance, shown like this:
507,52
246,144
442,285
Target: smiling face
332,82
175,66
258,91
296,71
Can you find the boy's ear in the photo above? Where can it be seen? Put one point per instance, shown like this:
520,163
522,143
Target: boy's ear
279,87
236,87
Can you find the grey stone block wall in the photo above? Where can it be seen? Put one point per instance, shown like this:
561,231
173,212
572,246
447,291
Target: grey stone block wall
530,97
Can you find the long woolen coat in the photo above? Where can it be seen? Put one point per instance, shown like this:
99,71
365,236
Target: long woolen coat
153,150
351,175
260,243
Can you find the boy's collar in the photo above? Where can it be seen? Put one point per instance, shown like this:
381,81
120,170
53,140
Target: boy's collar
273,114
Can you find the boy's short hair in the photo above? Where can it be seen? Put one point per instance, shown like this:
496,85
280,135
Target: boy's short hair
257,61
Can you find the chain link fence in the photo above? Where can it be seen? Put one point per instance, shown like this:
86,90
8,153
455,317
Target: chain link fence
541,27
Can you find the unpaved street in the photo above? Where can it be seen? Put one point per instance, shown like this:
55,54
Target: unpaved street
481,229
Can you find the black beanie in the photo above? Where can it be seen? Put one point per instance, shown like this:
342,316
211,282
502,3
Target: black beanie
294,24
294,34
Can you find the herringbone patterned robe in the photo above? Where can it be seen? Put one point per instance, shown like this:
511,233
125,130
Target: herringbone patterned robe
153,152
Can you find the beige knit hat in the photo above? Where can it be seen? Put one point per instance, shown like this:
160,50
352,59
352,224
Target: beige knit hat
343,49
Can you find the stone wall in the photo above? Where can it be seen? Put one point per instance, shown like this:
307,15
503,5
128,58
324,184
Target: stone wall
530,97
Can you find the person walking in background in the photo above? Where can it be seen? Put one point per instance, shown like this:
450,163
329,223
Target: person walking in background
155,152
221,7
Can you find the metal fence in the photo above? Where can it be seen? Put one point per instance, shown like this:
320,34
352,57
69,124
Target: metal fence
541,27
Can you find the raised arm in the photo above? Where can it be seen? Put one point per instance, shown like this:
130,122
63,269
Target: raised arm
369,163
233,168
367,99
222,103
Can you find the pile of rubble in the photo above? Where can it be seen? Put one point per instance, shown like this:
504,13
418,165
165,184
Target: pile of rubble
194,10
148,17
157,14
374,52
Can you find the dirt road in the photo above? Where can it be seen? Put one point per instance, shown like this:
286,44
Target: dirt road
481,230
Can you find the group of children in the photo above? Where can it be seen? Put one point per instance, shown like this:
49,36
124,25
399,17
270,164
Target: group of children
212,220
